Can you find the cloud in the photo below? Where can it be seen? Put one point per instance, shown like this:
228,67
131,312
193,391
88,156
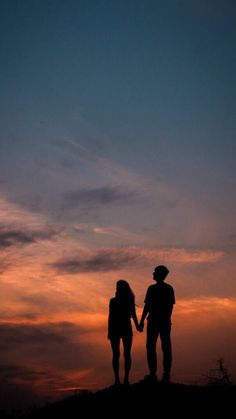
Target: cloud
180,255
212,304
103,261
29,334
45,344
17,386
114,259
12,371
22,227
107,233
102,165
28,241
115,231
17,236
106,195
22,386
42,360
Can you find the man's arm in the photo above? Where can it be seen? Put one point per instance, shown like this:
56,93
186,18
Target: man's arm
144,314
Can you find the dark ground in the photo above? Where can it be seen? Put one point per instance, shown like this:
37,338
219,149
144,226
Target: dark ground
142,400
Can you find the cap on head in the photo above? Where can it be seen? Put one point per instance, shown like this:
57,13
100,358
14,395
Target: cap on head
160,272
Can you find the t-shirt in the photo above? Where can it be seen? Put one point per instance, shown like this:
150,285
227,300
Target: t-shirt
160,299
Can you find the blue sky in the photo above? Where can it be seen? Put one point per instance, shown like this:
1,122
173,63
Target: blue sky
117,152
147,85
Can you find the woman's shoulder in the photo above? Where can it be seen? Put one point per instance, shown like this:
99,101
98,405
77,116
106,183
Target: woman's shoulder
113,300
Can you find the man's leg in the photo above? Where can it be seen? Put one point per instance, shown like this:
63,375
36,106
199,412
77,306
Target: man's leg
151,344
167,352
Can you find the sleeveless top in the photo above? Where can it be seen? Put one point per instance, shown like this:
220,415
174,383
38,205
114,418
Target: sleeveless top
119,320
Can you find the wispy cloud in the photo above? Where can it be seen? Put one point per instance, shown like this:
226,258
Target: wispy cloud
25,385
116,172
180,255
114,259
54,357
12,236
45,342
103,261
29,240
117,232
102,168
220,305
106,234
35,334
106,195
13,372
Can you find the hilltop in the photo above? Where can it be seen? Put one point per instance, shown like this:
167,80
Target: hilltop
141,399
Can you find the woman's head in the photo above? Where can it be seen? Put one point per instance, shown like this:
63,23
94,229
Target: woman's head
123,289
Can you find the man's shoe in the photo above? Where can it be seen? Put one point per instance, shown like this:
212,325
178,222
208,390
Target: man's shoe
166,378
150,379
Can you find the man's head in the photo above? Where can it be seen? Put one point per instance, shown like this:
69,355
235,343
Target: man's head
160,273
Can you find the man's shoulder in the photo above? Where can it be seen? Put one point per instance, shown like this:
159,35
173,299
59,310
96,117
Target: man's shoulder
157,285
151,287
168,286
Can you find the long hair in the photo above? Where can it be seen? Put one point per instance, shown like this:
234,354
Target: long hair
125,293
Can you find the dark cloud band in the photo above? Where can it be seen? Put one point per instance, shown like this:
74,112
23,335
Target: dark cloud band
98,196
103,261
17,236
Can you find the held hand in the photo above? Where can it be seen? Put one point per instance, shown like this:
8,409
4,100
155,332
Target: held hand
140,327
137,327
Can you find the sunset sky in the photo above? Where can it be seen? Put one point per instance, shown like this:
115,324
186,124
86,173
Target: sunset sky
117,153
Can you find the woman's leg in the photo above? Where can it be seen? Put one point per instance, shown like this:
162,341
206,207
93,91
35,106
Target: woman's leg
115,345
127,342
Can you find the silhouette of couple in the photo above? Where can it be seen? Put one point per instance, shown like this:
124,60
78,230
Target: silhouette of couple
158,308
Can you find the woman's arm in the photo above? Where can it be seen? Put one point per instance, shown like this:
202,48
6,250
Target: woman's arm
135,319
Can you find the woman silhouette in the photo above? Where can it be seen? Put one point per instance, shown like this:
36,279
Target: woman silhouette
121,309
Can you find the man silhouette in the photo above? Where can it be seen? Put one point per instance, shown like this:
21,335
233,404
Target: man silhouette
158,308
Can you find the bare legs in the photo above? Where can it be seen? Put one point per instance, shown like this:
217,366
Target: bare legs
115,345
127,342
